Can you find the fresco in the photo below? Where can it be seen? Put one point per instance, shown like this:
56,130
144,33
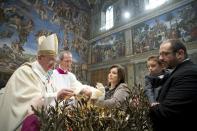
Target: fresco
23,21
180,23
193,57
140,71
108,48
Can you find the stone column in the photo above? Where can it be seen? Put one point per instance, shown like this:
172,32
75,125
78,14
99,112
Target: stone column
128,41
131,75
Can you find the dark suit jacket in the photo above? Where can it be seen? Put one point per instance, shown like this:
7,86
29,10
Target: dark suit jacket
177,110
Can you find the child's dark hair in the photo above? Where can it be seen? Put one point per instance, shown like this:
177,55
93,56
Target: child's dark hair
155,58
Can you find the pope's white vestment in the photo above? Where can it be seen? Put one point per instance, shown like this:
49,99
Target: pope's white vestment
26,83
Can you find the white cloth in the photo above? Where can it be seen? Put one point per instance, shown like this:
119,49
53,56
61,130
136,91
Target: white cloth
26,83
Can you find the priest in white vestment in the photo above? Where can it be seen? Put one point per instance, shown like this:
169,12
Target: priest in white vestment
63,78
26,83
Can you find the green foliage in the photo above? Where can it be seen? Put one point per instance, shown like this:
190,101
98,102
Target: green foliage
138,110
86,117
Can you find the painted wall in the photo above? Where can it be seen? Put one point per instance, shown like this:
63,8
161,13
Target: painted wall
136,8
23,21
180,23
108,48
143,36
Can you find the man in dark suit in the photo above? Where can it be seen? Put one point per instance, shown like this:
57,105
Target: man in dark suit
177,108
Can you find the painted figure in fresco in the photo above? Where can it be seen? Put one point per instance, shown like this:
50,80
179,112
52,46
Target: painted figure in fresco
6,49
17,48
51,3
42,11
16,21
173,34
178,98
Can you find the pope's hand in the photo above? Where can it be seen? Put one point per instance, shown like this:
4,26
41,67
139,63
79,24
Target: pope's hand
64,94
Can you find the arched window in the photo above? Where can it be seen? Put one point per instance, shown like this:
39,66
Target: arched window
107,18
151,4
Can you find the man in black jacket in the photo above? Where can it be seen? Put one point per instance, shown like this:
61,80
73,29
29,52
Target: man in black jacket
177,108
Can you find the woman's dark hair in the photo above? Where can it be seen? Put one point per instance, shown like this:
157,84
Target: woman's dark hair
121,73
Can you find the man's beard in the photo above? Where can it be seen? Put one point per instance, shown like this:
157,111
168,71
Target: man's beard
172,65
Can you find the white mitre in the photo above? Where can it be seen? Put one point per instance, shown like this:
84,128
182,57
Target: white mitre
48,45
